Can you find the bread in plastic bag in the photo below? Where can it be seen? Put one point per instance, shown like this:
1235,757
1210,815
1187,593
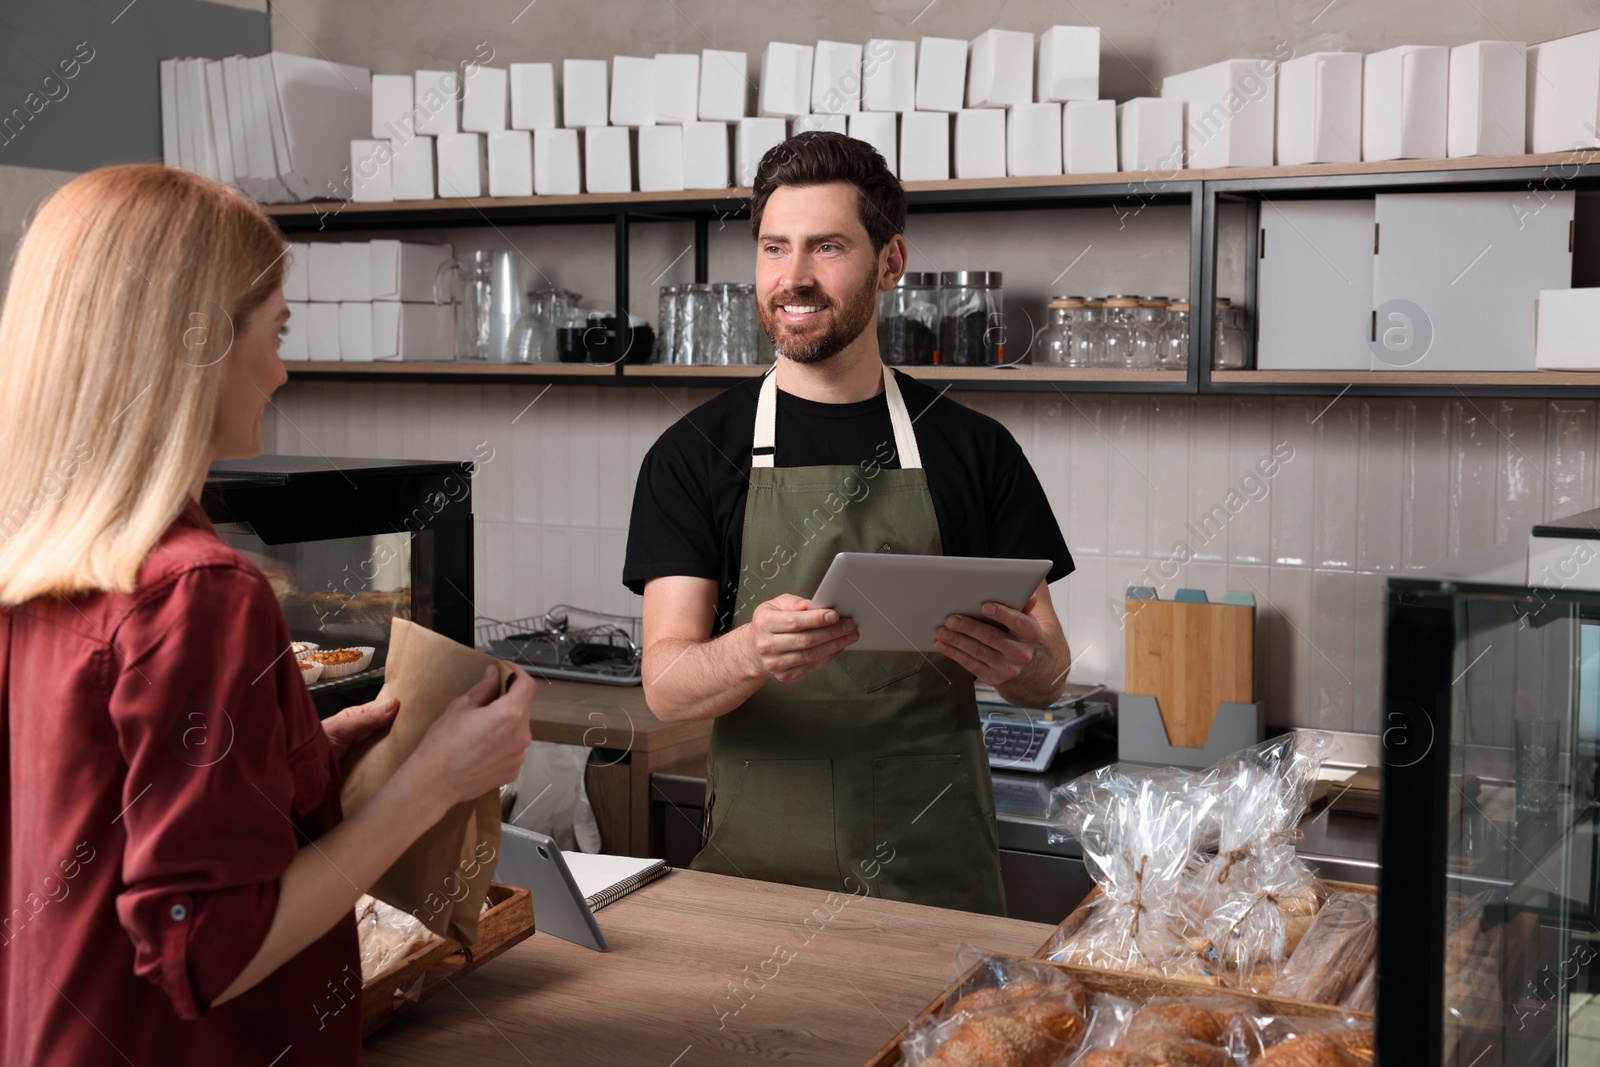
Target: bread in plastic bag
1006,1013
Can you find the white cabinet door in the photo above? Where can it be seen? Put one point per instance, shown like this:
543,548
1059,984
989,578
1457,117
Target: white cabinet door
1314,285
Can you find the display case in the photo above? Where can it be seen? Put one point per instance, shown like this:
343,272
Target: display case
1488,930
349,544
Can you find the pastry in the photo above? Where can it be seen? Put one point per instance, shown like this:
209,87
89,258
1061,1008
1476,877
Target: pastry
1177,1052
334,657
995,996
1307,1050
1185,1022
1117,1058
1024,1024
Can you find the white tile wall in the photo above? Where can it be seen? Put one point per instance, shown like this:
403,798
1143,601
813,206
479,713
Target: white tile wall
1374,487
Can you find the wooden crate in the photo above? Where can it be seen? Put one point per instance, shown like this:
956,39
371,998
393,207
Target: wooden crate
410,981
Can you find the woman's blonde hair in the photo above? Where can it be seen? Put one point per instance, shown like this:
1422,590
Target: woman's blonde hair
126,293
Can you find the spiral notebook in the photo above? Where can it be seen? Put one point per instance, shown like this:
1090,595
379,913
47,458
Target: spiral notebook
603,879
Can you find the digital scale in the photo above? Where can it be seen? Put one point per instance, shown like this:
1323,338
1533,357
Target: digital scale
1029,739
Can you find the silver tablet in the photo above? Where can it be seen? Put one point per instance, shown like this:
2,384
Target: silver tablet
899,602
533,861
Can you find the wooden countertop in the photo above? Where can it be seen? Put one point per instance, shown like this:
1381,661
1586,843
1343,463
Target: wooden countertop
829,981
605,716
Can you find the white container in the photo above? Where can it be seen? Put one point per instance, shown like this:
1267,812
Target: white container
1069,64
1319,108
1564,93
1488,110
1569,322
511,163
583,93
533,96
878,129
1405,93
924,146
705,155
660,158
484,99
785,80
752,139
1314,285
1150,134
1089,137
677,87
322,332
724,88
355,332
295,272
415,332
292,348
405,270
1000,71
1559,563
980,143
1033,140
633,91
463,165
942,74
355,271
1229,112
371,172
555,163
607,160
836,78
807,123
413,168
324,270
437,99
889,75
393,98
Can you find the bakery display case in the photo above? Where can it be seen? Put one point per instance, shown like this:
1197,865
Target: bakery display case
348,545
1488,930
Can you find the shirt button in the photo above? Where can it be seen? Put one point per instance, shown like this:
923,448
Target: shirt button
179,913
886,548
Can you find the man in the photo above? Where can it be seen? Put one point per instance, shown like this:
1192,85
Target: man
860,772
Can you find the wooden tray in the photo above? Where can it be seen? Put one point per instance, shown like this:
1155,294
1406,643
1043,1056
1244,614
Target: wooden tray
410,981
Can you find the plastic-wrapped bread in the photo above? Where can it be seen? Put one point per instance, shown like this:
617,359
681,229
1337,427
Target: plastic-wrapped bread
1006,1013
1337,953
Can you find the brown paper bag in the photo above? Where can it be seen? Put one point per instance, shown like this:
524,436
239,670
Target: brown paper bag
443,877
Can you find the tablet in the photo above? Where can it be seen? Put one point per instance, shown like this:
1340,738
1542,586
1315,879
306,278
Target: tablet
533,861
899,602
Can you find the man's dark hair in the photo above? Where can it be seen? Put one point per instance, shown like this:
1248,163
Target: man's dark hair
818,157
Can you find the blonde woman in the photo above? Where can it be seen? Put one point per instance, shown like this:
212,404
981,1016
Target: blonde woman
176,876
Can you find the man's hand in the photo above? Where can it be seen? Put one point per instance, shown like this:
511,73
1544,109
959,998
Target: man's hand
788,638
996,651
354,723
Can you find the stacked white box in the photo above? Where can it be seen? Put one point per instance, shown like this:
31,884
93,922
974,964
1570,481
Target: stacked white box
292,348
296,262
980,143
1405,92
355,332
1069,64
322,332
705,155
1319,108
1000,73
836,78
1150,134
355,270
660,158
889,75
752,139
1033,140
878,129
1568,323
633,91
1488,110
942,74
555,163
412,331
438,102
807,123
511,163
1229,112
463,165
724,85
924,146
607,160
1564,93
677,87
583,93
1089,137
785,80
533,96
323,267
483,100
413,168
371,172
1314,285
393,98
406,270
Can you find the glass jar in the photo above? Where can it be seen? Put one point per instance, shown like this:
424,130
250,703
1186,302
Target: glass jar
533,338
732,327
971,319
1175,337
1149,320
1089,336
1054,343
1227,338
667,324
695,324
1120,330
908,320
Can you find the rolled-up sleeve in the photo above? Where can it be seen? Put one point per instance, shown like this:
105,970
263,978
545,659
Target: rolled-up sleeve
211,782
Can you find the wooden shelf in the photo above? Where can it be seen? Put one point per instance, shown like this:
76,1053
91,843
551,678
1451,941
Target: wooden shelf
677,370
387,369
1032,373
1478,379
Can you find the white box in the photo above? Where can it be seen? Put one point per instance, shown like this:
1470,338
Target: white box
292,348
556,171
1466,269
1569,323
413,168
418,332
660,158
785,80
483,101
533,96
677,87
724,85
323,267
705,155
393,98
406,270
942,74
355,270
1319,108
371,172
878,129
836,78
355,332
511,163
295,271
1314,285
322,331
1488,109
1564,93
633,91
889,75
1405,93
807,123
980,143
1229,112
1069,63
924,146
1089,137
752,139
583,93
1560,562
1033,140
1150,134
1000,73
607,160
463,165
438,102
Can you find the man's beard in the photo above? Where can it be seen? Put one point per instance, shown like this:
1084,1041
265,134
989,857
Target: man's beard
849,321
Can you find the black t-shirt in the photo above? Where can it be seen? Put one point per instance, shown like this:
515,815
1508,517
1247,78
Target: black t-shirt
688,508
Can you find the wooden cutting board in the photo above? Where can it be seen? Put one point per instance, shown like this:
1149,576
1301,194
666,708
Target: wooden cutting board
1190,657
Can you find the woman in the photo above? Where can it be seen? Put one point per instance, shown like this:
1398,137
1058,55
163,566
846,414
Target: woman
176,877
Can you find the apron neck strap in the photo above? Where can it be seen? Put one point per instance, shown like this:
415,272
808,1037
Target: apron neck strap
766,438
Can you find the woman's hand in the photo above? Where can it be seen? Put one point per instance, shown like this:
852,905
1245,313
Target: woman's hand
478,743
354,723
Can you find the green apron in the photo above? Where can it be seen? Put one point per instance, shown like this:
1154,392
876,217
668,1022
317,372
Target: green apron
868,776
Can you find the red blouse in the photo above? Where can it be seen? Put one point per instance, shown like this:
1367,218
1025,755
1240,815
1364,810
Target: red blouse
160,764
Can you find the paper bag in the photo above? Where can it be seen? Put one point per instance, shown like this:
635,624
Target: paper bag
443,877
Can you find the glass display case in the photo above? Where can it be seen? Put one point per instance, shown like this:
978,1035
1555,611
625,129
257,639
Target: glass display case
350,544
1488,930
